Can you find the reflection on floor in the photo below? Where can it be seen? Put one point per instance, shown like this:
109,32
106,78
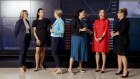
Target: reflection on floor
13,73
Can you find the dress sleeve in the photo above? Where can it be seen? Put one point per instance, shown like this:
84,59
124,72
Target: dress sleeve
124,27
34,23
107,26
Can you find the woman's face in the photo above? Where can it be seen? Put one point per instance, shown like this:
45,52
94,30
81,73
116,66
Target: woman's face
102,14
55,15
119,14
25,15
41,13
82,14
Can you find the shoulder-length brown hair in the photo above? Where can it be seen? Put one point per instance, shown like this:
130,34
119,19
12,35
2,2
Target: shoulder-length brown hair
105,13
124,11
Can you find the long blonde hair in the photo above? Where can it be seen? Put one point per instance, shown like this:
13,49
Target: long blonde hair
22,13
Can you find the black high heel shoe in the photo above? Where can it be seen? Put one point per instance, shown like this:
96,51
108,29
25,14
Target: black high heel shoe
102,71
97,70
126,75
121,72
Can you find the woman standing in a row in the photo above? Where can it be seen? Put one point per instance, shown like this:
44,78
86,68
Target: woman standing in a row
57,32
101,39
121,41
78,41
40,29
23,36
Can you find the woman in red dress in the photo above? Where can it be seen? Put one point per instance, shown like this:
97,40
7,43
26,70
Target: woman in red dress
101,39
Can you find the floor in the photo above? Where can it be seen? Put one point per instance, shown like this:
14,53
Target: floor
13,73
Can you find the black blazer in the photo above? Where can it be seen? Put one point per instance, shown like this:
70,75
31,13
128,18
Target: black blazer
75,26
20,30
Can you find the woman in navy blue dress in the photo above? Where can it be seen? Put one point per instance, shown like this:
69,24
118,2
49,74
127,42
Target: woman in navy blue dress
78,40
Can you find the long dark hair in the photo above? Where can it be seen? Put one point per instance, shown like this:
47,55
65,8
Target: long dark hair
38,12
78,12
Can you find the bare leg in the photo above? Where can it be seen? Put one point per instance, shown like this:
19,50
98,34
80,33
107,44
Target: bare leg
37,56
97,57
70,64
42,57
80,66
104,61
124,60
119,63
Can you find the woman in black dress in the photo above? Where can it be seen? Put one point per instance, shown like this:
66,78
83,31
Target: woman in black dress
40,28
121,41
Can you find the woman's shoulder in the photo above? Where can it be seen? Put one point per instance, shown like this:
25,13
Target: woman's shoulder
46,19
126,19
19,20
34,21
97,20
61,20
107,20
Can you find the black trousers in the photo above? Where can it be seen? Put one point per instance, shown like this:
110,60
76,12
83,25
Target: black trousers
23,50
55,44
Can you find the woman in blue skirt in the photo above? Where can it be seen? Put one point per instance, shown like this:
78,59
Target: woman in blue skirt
78,40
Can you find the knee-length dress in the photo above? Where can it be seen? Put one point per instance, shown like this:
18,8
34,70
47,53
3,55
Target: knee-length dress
101,26
42,30
121,41
78,41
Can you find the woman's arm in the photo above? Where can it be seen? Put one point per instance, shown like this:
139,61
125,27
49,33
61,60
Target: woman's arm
61,28
124,27
36,37
106,28
74,26
94,30
17,28
34,32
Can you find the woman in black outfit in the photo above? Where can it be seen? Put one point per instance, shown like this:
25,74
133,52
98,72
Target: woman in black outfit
121,41
40,28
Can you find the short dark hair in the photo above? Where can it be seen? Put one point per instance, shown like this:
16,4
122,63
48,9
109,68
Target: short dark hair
124,11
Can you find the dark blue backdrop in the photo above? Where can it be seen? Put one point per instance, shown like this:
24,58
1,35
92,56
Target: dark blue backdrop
10,9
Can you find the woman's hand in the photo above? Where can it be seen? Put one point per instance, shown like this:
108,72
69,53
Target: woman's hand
38,42
83,29
100,39
88,31
97,40
51,30
112,33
